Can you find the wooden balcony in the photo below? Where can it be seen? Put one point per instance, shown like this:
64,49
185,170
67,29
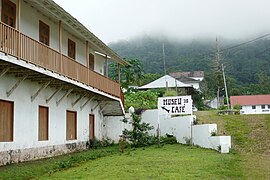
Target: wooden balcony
14,43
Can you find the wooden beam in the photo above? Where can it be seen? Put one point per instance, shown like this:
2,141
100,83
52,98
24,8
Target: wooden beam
44,86
57,91
60,44
101,111
87,53
88,100
4,71
107,66
65,95
77,100
96,106
19,30
16,85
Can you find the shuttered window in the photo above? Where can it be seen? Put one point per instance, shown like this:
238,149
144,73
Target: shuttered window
91,61
71,49
8,13
71,125
6,121
44,33
43,123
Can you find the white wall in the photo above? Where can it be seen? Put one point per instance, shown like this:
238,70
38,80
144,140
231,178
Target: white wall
26,115
248,110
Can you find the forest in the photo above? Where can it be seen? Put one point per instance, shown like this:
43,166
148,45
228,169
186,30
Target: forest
247,65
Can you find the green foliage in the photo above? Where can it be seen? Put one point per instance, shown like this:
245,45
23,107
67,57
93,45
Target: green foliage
237,107
139,135
149,77
241,64
141,100
95,143
170,92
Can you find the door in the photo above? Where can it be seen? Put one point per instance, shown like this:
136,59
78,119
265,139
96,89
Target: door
9,13
91,126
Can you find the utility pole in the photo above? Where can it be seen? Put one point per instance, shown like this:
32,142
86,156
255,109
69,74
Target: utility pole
225,85
164,64
218,70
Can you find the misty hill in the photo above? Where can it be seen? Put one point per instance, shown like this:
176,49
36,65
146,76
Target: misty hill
242,63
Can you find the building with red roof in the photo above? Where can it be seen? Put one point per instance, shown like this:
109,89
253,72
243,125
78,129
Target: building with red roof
252,104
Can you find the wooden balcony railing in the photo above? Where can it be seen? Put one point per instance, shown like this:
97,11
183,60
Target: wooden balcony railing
21,46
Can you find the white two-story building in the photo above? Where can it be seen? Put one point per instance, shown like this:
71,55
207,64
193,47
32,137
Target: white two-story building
54,86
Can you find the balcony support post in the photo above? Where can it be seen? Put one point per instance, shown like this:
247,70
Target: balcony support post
65,95
107,66
57,91
16,85
87,54
77,100
87,101
60,45
44,86
4,71
19,30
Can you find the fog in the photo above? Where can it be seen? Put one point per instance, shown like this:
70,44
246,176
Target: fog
114,20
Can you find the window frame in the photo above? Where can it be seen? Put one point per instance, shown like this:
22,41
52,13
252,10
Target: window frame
262,106
40,137
69,136
10,137
9,15
253,106
71,49
43,26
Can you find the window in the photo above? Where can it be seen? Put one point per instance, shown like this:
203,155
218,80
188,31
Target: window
44,33
91,61
9,13
6,121
253,107
71,125
43,123
71,49
268,106
263,106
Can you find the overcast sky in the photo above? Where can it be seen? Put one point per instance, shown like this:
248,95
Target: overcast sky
113,20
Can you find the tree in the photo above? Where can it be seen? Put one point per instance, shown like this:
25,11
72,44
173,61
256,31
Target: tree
130,75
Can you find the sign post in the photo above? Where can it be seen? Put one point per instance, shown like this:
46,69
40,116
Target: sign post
175,105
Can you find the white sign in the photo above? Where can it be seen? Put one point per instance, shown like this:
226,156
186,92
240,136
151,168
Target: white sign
175,105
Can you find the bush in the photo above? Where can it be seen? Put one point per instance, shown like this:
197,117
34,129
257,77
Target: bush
95,143
141,100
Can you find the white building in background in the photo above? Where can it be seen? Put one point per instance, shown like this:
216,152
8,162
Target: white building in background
252,104
54,89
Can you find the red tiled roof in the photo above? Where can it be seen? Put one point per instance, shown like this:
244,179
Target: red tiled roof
250,100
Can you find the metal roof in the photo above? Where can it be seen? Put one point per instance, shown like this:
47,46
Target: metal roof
250,100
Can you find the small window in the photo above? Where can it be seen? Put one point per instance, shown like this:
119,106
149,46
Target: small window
91,61
9,13
253,107
263,106
71,125
43,123
44,33
71,49
268,106
6,121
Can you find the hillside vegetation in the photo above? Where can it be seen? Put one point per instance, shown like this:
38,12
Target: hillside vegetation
247,66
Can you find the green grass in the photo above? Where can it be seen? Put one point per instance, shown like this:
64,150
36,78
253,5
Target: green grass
168,162
37,168
250,158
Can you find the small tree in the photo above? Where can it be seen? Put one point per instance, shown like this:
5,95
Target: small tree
139,135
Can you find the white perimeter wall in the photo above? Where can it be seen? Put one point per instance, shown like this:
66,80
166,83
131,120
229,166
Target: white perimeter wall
26,115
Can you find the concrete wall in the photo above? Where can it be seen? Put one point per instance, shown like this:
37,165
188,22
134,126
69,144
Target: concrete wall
248,109
26,117
181,127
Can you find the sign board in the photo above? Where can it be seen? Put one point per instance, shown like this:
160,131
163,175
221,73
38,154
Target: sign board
176,105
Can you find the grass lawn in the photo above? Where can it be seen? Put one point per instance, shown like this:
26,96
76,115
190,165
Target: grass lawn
168,162
250,158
